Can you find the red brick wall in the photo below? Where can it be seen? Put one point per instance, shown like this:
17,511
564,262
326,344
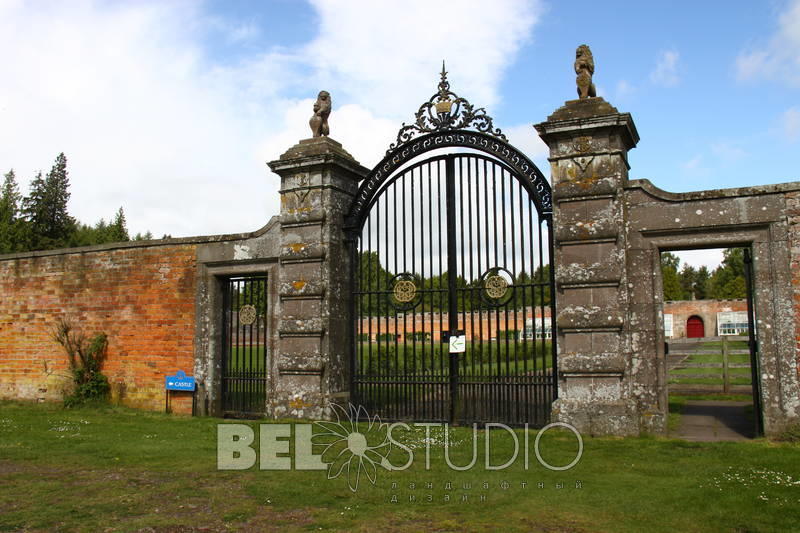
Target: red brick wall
142,298
705,309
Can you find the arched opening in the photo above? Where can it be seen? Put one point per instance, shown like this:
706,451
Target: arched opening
695,329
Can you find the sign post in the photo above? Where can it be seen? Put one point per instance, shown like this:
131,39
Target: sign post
179,382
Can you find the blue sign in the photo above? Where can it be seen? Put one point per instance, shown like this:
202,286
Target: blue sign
180,381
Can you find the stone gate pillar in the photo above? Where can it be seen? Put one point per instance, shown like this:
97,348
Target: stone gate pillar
310,364
589,141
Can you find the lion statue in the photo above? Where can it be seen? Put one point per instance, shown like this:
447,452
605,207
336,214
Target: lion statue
584,68
322,109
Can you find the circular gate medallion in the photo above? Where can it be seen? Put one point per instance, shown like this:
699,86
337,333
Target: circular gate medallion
496,286
404,291
247,314
404,294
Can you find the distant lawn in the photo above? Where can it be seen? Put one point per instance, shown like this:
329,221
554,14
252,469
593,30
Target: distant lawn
114,469
713,375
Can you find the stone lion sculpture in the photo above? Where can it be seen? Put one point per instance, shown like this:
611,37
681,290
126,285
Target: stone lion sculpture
322,109
584,68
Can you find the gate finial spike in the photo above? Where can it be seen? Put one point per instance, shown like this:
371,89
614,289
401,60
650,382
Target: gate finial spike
444,85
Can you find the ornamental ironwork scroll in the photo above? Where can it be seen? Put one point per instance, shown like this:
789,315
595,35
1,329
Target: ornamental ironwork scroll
446,111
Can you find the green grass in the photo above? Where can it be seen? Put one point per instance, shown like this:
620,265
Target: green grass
426,358
114,469
247,358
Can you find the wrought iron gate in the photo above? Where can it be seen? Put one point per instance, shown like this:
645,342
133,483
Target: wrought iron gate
453,245
244,354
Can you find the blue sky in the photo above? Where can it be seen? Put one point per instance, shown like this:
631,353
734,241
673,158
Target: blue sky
171,109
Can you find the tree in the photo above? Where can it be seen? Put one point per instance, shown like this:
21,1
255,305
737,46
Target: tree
118,230
45,208
669,276
727,281
700,285
11,225
686,278
372,278
41,221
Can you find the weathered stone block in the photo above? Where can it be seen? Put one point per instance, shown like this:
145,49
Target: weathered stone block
589,316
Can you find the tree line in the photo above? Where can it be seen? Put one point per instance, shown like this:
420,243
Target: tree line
41,220
726,282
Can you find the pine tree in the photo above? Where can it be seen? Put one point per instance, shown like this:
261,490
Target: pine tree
33,210
11,225
59,223
45,208
701,280
118,230
686,278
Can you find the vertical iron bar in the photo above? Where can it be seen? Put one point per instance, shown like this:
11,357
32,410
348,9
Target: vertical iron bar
755,373
554,366
452,308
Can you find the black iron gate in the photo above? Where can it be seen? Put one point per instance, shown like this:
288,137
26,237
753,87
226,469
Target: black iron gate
244,354
469,215
452,304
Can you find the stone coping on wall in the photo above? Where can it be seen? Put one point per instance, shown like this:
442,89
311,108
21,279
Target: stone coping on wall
203,239
757,190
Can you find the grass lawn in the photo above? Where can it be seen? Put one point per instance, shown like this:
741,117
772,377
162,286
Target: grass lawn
713,375
115,469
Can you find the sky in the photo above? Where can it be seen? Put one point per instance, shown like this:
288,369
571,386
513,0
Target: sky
171,109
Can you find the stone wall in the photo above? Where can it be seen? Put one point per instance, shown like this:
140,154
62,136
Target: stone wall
793,218
142,297
609,233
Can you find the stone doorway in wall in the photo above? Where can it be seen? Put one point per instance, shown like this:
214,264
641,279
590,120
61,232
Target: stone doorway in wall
711,348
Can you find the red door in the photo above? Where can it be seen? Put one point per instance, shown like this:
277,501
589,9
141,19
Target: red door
695,328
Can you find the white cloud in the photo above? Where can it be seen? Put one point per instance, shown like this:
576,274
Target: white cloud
150,121
791,123
387,59
526,140
695,163
728,151
778,57
697,258
361,133
624,88
666,70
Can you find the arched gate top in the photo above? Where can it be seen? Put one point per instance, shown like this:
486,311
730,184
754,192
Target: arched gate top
442,122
